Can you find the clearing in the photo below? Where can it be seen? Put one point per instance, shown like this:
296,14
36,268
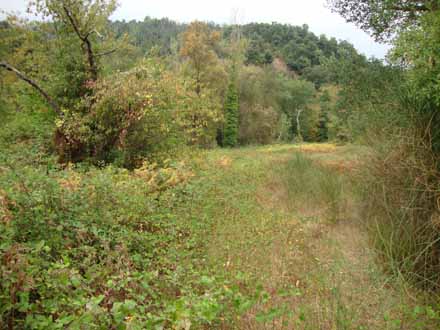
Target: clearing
286,218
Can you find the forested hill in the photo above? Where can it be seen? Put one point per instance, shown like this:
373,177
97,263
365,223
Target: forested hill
300,48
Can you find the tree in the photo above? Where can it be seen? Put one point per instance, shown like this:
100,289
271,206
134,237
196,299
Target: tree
73,52
317,74
295,97
198,48
83,18
71,67
230,135
383,18
34,84
258,53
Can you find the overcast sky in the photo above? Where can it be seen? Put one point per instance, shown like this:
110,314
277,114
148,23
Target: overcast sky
296,12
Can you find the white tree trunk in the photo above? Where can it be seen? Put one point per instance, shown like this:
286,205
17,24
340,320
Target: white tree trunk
298,124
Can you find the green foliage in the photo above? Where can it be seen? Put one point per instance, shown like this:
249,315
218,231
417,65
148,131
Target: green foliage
99,248
397,112
230,137
84,21
383,18
149,33
319,75
260,109
295,99
258,53
422,55
296,45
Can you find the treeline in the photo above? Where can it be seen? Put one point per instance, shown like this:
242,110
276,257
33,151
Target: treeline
123,91
300,49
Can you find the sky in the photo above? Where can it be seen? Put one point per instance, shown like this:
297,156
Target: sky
314,13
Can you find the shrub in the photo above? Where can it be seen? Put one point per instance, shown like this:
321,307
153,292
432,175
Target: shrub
140,114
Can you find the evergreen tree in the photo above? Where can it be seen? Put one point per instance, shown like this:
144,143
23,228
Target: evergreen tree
230,135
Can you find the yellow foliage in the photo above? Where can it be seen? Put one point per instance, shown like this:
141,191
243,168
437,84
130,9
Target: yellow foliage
162,178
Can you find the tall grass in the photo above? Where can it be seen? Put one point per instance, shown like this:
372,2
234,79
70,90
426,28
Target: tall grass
401,197
314,188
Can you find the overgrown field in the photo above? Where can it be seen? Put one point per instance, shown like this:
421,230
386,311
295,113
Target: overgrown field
251,238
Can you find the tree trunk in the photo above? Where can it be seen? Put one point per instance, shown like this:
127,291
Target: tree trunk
298,124
85,38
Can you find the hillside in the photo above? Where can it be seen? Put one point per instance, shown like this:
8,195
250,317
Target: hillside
300,48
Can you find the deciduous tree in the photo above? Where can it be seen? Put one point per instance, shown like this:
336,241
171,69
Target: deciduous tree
198,48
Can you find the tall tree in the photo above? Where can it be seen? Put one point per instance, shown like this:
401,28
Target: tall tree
295,97
198,48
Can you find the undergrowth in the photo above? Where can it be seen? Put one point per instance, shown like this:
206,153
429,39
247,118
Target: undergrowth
107,249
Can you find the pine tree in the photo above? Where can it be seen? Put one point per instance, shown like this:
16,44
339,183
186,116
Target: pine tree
230,135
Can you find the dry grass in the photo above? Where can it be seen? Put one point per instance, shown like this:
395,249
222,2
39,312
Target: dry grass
318,270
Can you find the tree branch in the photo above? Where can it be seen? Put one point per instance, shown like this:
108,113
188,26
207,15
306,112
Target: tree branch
415,8
31,82
85,39
74,24
106,52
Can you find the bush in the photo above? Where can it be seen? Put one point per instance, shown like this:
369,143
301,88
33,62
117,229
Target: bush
137,115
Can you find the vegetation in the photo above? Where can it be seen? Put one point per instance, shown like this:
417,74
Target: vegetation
158,175
230,134
403,110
